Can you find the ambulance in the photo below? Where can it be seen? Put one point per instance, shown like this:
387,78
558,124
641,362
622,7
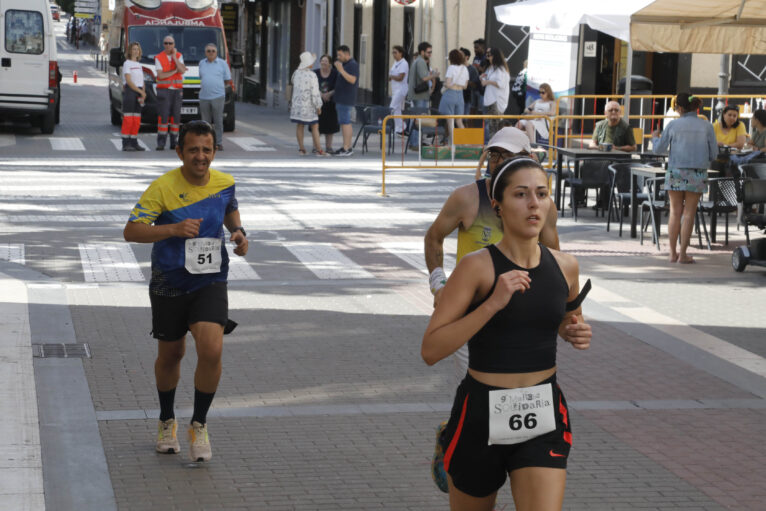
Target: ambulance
193,24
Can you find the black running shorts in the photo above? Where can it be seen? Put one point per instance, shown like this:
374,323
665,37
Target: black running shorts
478,469
172,315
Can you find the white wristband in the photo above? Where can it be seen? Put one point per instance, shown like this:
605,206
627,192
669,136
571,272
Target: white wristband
437,279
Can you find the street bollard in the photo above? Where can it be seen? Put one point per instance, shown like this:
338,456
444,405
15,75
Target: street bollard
74,76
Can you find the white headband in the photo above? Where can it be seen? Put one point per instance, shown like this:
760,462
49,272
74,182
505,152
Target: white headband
505,166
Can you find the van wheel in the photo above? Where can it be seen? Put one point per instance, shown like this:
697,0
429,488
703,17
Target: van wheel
48,123
228,123
58,112
116,117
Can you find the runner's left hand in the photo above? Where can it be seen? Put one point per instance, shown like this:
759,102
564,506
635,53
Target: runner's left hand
577,332
241,241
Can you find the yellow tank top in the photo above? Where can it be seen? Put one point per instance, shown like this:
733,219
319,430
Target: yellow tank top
485,230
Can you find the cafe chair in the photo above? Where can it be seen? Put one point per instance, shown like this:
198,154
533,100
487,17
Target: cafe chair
753,170
753,200
372,123
722,198
428,128
619,196
655,204
592,174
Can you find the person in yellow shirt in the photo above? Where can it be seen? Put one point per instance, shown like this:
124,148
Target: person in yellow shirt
729,131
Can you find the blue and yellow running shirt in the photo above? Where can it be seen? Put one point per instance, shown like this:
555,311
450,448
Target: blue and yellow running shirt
171,199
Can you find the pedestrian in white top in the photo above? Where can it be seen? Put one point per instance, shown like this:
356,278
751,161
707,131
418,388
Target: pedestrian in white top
133,97
497,83
398,75
455,81
546,105
306,102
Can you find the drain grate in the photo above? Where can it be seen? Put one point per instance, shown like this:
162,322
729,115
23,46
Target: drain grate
61,350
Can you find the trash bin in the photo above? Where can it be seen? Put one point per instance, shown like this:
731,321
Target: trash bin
639,85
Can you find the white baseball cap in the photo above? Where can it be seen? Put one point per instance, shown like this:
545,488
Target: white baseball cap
511,139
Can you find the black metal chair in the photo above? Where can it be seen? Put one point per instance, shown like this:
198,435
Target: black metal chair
372,123
723,195
753,170
753,197
657,204
592,174
619,197
654,204
432,132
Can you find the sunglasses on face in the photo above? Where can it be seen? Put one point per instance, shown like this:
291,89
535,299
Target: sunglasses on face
209,51
494,155
168,43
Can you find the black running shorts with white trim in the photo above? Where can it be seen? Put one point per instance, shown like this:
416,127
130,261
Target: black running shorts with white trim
172,315
478,469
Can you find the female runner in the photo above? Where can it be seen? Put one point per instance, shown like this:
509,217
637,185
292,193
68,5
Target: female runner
508,301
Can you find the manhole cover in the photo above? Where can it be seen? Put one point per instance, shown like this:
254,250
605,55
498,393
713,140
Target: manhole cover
60,350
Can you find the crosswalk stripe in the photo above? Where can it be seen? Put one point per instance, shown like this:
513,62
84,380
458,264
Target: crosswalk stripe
327,262
239,268
251,144
411,252
109,262
12,252
66,144
117,142
7,140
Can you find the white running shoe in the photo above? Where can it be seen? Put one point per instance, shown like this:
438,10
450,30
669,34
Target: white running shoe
167,441
199,442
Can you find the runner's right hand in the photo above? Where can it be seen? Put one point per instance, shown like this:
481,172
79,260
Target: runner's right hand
507,284
188,228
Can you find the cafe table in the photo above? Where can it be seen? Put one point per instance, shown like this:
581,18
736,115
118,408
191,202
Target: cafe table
583,153
646,172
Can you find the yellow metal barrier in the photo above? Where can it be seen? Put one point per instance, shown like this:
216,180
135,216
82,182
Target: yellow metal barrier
561,134
467,136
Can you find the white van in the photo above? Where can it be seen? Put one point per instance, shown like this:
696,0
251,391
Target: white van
29,77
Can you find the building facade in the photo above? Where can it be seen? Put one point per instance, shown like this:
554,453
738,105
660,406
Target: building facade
273,33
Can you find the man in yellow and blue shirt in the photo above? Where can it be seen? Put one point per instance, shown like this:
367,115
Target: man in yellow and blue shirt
183,213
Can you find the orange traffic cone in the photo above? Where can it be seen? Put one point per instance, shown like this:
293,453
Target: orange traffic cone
74,76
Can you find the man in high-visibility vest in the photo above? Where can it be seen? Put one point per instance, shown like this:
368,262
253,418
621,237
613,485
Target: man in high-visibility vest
170,82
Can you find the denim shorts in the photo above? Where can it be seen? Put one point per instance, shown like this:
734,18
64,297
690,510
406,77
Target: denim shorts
344,113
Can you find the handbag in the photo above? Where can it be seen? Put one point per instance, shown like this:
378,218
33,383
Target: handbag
421,87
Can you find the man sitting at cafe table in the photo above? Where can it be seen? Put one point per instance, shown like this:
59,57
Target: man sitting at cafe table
613,130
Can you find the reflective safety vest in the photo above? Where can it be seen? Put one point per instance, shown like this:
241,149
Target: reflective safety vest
175,81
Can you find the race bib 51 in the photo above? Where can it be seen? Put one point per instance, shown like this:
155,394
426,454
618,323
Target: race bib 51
203,255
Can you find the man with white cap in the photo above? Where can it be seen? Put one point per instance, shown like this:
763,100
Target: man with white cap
469,209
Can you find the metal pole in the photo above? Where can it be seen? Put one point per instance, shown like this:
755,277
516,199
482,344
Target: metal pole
723,84
446,40
628,84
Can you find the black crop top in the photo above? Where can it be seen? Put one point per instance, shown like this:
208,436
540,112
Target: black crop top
521,338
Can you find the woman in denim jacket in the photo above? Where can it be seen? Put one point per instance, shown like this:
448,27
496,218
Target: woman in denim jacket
693,146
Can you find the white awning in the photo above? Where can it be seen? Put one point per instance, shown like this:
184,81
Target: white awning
611,17
683,26
701,26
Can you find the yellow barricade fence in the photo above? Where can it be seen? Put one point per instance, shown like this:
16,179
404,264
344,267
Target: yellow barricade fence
473,136
650,108
567,127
